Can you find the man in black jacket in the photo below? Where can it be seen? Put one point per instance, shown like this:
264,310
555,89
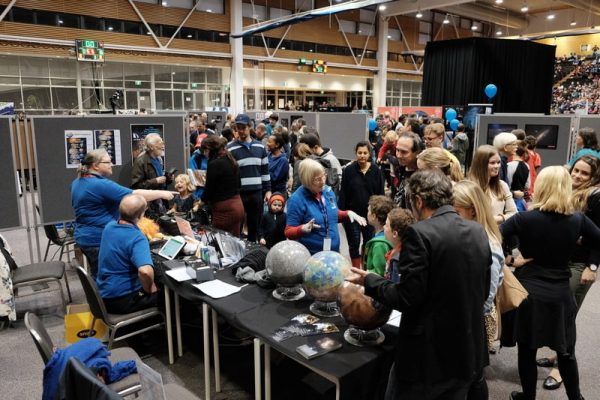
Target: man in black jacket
441,350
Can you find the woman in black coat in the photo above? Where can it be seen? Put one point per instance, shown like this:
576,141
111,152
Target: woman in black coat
548,237
361,179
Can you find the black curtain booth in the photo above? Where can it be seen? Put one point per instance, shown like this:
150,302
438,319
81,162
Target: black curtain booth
457,72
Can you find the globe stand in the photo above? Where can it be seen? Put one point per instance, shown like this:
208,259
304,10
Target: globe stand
288,293
361,337
325,308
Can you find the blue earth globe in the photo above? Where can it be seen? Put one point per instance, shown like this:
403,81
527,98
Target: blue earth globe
324,272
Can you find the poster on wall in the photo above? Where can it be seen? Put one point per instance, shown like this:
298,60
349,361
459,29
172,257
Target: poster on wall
77,145
109,139
139,133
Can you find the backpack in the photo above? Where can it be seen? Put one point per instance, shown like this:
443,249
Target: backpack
333,179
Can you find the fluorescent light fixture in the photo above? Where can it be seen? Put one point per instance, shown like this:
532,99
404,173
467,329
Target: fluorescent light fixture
550,16
573,23
419,14
382,7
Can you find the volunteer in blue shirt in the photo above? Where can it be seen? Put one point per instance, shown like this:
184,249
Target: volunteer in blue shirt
313,213
96,202
126,273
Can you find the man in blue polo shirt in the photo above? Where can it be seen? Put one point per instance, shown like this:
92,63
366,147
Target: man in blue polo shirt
125,268
254,173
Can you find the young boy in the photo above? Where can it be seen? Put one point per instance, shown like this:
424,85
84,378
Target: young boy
272,226
376,248
395,225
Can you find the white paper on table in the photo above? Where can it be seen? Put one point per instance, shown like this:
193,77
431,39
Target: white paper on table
395,318
179,274
217,289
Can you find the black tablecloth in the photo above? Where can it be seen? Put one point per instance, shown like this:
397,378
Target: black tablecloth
362,371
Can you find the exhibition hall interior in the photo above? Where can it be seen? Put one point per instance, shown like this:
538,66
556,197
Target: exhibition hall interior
299,199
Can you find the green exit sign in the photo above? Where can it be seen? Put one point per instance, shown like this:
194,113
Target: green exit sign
194,85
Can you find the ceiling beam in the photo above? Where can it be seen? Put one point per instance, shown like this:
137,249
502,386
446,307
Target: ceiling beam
482,13
408,7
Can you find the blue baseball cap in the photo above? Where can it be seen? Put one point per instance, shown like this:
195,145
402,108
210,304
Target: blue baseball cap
242,119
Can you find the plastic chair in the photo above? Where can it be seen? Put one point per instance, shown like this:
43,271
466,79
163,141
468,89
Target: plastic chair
114,321
43,342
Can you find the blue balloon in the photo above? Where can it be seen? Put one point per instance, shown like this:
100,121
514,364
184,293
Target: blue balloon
372,124
454,124
491,90
450,114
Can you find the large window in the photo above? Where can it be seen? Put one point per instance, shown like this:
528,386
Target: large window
403,93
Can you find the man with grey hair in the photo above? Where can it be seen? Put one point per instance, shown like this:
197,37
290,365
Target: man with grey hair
260,133
148,170
441,349
125,269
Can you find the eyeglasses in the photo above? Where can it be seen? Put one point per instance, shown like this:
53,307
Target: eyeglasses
319,178
431,138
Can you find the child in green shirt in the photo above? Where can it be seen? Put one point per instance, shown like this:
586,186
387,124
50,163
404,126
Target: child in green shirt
374,259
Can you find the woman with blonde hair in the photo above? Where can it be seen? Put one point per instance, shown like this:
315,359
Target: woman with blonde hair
485,171
472,203
436,157
548,236
585,174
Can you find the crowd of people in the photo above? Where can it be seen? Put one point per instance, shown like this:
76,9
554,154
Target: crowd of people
579,91
425,236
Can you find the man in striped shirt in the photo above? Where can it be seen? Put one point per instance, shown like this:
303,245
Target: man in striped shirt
254,173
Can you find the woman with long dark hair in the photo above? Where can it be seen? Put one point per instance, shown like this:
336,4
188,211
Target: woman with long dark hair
222,189
485,171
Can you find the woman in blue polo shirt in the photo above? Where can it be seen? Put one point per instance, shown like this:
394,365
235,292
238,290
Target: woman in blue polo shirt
313,213
96,202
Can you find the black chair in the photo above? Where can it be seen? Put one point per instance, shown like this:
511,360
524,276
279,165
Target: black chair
64,241
115,321
33,274
79,382
43,342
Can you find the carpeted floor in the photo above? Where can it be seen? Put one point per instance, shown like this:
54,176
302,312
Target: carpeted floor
21,366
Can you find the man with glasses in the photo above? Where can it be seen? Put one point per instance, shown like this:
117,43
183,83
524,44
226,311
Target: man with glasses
254,173
408,147
434,137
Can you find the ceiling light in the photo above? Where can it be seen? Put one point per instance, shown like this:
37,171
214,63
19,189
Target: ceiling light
209,10
473,28
282,48
499,33
110,28
419,14
164,3
311,50
550,16
359,31
446,20
524,8
148,33
381,7
389,36
189,36
573,23
60,21
499,1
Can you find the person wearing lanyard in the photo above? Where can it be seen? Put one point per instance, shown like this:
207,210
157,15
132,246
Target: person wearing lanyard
313,213
148,171
96,199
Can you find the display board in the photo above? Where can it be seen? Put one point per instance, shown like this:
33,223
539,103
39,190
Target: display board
60,140
338,131
553,132
341,132
10,215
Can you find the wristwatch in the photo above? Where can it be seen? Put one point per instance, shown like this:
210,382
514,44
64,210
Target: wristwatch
593,267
